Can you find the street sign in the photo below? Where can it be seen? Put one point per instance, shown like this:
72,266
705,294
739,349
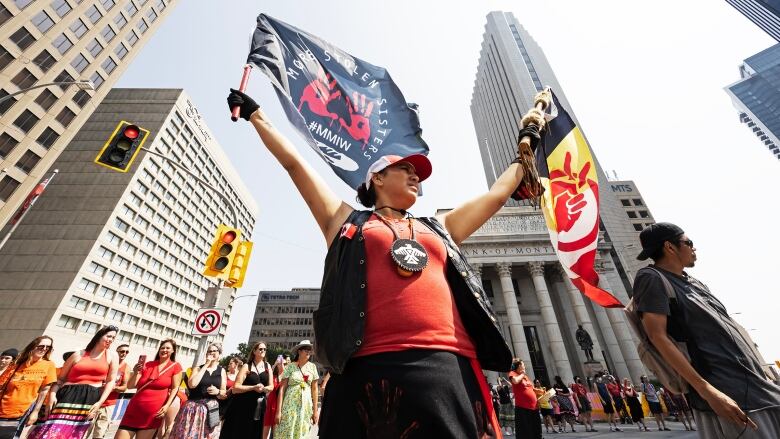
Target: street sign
208,321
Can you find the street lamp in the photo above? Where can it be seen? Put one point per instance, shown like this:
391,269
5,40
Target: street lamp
82,84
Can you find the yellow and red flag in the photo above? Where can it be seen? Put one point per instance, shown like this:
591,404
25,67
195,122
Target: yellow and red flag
570,202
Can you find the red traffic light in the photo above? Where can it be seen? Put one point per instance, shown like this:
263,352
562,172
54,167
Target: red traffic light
131,132
229,237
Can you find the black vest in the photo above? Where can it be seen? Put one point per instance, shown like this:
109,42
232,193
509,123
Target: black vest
340,320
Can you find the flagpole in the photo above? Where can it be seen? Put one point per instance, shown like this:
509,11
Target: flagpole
242,88
530,185
32,202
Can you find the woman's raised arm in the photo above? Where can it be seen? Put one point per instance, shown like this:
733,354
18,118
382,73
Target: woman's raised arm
328,210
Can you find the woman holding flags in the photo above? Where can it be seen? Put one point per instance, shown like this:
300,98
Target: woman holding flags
403,322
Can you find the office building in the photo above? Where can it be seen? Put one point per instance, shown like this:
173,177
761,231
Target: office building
764,13
104,247
756,96
631,199
538,307
49,41
284,318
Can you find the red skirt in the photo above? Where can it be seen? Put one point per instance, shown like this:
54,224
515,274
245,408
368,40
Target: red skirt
269,420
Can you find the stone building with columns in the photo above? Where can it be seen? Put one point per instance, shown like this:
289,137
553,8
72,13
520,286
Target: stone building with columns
539,309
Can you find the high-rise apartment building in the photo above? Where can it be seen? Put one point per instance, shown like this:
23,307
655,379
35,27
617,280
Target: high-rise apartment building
105,247
49,41
512,69
757,96
631,199
764,13
284,318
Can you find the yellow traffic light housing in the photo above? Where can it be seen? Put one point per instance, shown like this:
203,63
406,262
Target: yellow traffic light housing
122,147
240,264
222,253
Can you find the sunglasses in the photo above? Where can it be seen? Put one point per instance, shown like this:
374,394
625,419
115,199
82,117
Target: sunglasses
687,242
123,352
259,349
212,351
43,347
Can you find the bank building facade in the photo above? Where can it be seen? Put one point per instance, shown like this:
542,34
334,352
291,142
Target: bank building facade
538,307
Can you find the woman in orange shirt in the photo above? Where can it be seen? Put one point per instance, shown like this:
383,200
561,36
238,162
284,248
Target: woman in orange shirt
87,378
24,385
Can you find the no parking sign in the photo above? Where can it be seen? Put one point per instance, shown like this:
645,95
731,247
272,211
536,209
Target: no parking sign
208,321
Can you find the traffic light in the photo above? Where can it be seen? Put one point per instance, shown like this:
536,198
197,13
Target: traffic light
240,264
222,253
121,148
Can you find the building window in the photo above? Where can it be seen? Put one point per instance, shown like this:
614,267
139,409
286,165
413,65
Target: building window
5,14
98,310
24,79
643,214
66,116
97,80
7,144
62,43
115,315
87,285
7,103
108,4
94,48
124,335
142,26
21,4
67,322
61,7
120,21
93,14
120,51
631,214
131,9
625,203
46,99
79,63
5,58
78,303
81,98
123,299
78,28
42,21
96,269
638,227
28,161
22,38
105,253
47,138
638,202
44,60
89,327
131,38
26,121
108,65
7,187
151,15
108,33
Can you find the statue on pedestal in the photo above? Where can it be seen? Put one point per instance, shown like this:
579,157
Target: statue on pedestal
585,342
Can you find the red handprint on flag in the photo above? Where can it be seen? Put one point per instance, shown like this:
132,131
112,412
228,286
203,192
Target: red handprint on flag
569,190
318,94
359,126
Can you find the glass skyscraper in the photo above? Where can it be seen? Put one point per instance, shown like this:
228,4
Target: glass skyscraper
757,96
764,13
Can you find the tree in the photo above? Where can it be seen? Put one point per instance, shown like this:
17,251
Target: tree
242,354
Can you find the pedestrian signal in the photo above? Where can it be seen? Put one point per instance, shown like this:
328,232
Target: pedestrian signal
240,264
121,148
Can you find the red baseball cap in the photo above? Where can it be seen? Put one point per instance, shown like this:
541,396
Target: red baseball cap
420,162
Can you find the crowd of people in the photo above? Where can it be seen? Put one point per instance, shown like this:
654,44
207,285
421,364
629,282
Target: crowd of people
525,407
249,398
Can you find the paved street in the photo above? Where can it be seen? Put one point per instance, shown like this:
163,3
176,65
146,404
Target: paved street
629,432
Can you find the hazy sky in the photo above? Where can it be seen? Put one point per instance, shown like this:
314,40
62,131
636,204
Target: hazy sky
645,79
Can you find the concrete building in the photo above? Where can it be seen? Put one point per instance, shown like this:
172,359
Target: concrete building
756,96
512,68
104,247
631,199
764,13
55,41
284,318
539,308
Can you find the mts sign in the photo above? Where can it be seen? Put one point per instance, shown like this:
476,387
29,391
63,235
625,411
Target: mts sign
622,188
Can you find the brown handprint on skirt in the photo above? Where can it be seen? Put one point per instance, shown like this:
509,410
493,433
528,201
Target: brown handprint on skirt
381,416
484,426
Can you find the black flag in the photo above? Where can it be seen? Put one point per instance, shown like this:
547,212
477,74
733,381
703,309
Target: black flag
351,112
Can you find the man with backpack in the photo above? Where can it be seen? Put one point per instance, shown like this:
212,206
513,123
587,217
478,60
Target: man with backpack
710,353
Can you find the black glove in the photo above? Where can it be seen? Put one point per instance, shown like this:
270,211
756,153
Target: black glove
531,131
239,99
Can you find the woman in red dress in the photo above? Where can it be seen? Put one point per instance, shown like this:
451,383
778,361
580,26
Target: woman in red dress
157,383
269,420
